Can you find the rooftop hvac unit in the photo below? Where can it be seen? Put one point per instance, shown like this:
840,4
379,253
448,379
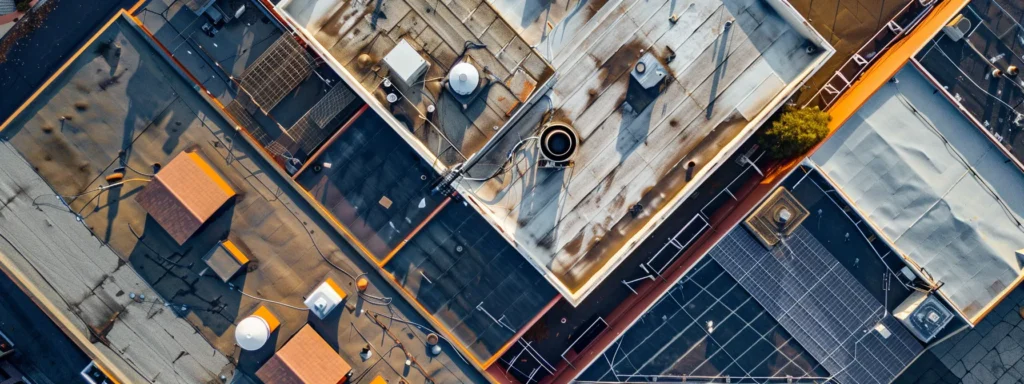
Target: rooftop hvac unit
406,64
327,296
924,315
957,28
648,72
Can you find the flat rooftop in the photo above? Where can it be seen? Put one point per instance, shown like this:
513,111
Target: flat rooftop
442,33
440,250
946,197
730,64
964,68
795,323
137,106
672,340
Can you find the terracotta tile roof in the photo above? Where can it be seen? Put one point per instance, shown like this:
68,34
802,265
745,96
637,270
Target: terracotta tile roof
307,359
184,194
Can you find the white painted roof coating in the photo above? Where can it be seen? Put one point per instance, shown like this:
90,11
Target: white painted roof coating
935,186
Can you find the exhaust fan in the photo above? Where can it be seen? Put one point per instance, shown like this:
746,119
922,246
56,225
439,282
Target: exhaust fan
558,144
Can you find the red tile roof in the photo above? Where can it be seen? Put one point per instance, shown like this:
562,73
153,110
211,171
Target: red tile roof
306,359
184,194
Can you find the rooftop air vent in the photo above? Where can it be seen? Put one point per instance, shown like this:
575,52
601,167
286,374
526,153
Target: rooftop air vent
252,332
924,315
648,72
558,144
465,83
92,374
463,79
645,83
957,28
777,217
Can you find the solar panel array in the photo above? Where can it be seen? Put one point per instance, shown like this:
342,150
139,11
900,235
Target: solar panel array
821,304
276,72
672,339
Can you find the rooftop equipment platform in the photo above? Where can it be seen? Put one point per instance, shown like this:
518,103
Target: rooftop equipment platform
777,217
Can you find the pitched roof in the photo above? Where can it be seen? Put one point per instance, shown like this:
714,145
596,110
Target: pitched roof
184,194
306,358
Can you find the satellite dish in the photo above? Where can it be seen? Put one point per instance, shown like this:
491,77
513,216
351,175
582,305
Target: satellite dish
464,78
251,333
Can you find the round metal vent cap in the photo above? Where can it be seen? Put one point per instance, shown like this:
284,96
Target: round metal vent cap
251,333
463,78
558,142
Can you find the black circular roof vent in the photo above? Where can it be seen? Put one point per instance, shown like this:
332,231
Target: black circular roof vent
558,142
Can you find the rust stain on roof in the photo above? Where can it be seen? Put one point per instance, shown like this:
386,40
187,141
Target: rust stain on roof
184,194
306,358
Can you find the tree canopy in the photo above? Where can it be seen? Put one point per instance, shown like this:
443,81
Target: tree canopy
795,132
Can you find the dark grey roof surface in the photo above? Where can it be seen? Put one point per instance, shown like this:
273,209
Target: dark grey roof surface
463,272
817,300
672,337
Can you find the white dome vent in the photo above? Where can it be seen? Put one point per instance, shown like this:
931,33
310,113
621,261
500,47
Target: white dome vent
252,333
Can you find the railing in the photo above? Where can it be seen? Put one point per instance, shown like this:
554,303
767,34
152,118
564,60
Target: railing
583,335
855,66
701,221
530,352
727,191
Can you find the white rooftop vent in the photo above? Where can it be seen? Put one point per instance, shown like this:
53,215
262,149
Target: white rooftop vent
957,28
251,333
924,315
464,78
406,64
324,299
648,71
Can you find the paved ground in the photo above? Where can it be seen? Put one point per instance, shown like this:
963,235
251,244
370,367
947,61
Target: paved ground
992,352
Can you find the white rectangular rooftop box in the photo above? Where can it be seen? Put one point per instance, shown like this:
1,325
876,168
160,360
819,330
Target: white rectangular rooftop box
406,65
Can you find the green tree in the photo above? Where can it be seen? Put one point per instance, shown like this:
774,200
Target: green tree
23,5
795,131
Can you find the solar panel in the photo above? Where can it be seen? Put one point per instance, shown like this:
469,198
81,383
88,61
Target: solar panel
276,72
821,304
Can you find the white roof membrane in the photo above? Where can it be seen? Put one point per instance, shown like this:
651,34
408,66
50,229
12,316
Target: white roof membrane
935,186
